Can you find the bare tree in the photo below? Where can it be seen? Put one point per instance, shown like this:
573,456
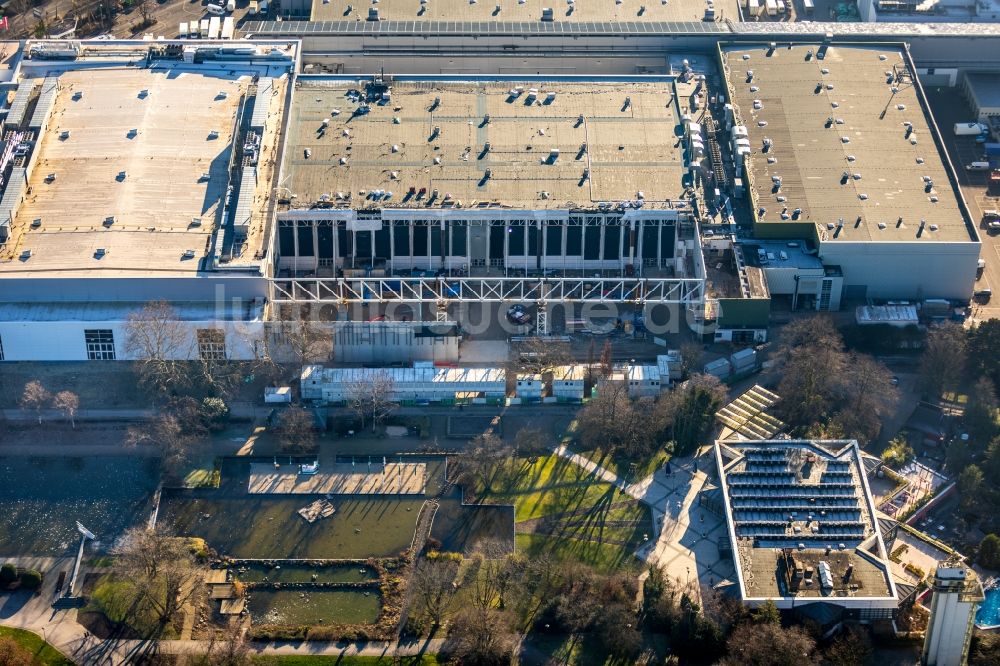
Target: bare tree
145,8
612,421
811,363
689,410
68,403
532,442
769,644
296,430
497,575
35,398
157,340
11,652
869,395
537,355
692,354
480,636
304,340
433,588
226,648
607,359
160,568
943,360
482,459
175,432
370,396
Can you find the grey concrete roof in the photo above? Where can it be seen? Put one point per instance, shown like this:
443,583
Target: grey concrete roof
521,10
840,143
985,88
630,148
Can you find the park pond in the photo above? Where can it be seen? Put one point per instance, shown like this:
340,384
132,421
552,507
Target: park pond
313,606
300,572
41,498
267,526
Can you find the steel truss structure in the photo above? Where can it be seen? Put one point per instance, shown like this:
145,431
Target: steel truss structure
487,290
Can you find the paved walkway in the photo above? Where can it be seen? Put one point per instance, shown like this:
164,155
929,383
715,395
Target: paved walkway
687,536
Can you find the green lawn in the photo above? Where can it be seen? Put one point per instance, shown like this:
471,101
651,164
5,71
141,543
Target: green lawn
44,653
586,519
623,467
317,660
602,557
115,598
550,485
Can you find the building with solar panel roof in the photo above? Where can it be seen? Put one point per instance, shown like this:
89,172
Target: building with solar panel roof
804,529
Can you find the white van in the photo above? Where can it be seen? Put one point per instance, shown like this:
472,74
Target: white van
218,10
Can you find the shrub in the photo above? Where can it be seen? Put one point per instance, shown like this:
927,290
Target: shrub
989,551
31,579
8,574
215,413
445,556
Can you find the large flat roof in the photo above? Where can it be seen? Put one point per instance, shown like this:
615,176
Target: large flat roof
985,87
150,148
793,504
630,148
844,113
522,10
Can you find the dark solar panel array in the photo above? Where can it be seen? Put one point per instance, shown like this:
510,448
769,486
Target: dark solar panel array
770,502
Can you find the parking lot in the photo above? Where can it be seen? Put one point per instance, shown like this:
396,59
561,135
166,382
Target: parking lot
949,108
167,15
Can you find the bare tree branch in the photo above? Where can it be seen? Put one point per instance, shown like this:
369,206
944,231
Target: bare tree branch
371,397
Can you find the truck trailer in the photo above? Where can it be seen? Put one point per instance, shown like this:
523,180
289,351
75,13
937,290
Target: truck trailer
969,129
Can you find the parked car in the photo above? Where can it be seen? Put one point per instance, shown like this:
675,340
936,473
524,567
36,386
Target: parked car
982,295
517,314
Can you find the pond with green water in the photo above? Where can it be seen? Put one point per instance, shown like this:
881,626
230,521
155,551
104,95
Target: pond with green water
293,572
313,606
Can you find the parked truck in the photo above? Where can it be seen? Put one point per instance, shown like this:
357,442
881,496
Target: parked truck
969,129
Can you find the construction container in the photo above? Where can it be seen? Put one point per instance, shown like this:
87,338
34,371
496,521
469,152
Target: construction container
744,360
720,368
277,394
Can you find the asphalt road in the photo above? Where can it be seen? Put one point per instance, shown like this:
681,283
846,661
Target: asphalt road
949,108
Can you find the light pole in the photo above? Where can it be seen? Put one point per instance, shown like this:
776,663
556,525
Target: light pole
85,534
